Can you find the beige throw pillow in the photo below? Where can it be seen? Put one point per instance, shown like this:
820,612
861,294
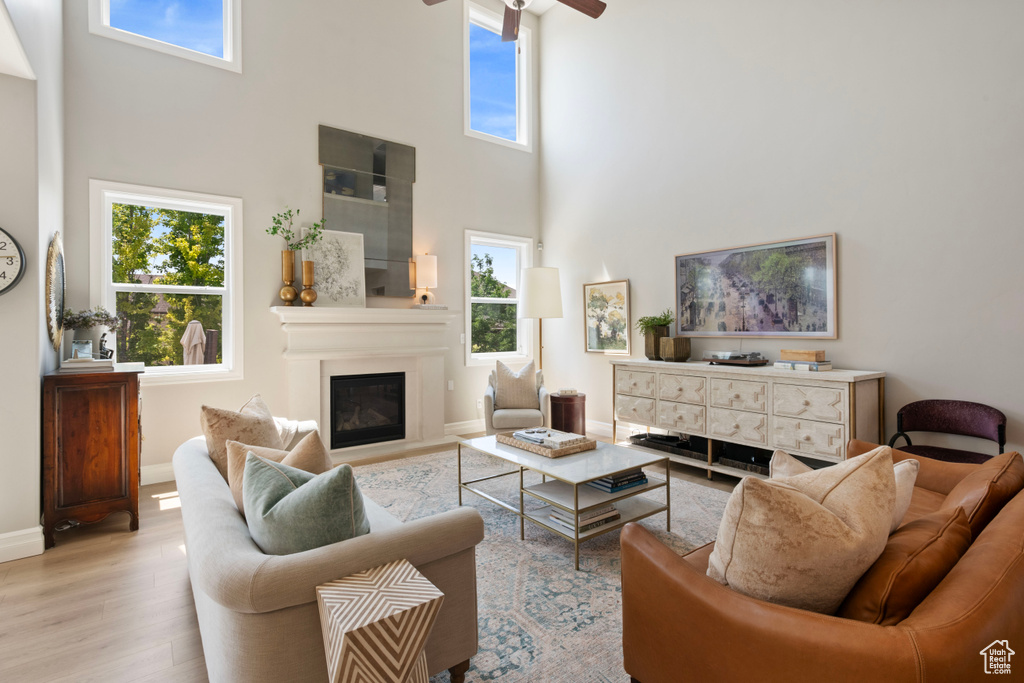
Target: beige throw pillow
252,424
805,540
905,472
308,455
514,390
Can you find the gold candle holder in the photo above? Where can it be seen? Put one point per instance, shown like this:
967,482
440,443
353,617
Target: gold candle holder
308,294
288,293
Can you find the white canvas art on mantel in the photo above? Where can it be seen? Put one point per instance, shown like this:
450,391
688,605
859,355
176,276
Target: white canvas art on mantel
339,275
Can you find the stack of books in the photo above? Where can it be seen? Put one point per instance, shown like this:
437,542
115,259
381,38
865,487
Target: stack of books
72,365
803,360
591,519
549,438
620,482
803,365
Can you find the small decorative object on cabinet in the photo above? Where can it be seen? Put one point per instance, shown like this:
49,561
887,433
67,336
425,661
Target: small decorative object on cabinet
283,225
90,448
606,317
569,413
759,407
779,289
12,262
83,331
53,301
654,328
308,294
675,349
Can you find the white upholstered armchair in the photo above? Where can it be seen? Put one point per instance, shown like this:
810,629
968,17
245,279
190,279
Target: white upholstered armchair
515,400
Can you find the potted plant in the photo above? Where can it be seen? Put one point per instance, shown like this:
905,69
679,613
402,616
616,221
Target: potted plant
654,328
87,320
283,226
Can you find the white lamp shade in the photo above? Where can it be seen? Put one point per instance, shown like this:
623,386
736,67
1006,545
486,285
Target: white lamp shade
540,293
426,270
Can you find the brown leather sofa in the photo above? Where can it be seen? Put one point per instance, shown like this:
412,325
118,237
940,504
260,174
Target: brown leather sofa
680,625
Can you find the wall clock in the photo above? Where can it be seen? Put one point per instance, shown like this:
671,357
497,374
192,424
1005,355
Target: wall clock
12,262
54,297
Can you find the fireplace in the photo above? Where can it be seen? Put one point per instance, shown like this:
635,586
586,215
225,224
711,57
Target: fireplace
367,409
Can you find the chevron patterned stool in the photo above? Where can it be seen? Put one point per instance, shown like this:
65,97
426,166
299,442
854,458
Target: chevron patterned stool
375,624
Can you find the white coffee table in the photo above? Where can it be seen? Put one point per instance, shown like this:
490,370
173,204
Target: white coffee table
567,488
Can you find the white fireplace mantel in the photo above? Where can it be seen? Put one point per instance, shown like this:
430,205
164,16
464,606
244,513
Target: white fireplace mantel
323,342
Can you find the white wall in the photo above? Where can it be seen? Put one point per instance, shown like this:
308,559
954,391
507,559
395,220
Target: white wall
31,210
676,127
388,68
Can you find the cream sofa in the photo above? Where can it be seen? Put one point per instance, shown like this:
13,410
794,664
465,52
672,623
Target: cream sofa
258,615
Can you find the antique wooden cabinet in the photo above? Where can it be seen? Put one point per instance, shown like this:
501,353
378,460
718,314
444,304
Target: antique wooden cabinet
91,446
811,414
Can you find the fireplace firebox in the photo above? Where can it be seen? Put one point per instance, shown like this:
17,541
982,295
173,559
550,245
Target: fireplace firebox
367,409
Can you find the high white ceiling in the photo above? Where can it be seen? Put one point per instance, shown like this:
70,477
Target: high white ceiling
539,7
13,60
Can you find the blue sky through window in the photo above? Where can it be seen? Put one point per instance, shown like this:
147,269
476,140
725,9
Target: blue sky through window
192,24
504,262
492,84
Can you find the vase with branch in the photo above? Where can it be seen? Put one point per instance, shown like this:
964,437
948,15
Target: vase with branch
283,225
79,327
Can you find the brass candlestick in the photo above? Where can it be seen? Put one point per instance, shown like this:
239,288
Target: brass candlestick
288,293
308,294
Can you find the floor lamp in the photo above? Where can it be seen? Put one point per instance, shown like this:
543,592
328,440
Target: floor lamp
540,297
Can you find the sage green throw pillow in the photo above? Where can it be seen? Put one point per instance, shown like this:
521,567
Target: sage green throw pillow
289,510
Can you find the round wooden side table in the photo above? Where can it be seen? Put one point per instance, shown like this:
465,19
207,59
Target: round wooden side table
569,413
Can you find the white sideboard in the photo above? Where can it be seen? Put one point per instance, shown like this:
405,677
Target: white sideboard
810,414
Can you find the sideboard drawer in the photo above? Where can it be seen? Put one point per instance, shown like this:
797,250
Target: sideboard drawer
635,383
635,410
820,439
739,395
682,388
733,425
816,403
682,417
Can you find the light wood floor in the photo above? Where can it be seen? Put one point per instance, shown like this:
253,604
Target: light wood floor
108,605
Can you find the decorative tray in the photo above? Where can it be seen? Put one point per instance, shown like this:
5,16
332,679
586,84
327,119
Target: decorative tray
726,361
509,440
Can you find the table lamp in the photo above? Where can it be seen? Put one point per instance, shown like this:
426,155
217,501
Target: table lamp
540,297
426,276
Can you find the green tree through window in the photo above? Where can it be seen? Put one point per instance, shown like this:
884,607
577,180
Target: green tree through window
494,327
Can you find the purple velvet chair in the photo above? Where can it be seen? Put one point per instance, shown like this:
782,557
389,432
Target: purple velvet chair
950,417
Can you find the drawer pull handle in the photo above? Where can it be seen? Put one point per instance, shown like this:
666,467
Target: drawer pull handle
807,437
735,426
736,396
806,402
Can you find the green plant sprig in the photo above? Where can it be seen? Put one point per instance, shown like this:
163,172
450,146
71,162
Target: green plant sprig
649,322
90,318
283,227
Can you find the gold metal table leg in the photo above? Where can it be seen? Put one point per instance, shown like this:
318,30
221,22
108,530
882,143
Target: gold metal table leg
576,515
522,513
460,473
668,497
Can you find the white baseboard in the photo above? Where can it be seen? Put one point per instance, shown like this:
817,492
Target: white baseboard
156,474
467,427
15,545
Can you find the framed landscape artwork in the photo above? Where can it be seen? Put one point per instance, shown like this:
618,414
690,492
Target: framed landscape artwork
780,289
340,279
606,317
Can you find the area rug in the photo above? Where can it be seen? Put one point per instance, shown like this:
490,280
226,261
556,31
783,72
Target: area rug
539,619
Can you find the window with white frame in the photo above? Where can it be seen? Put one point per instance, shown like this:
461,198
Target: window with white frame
497,81
206,31
493,267
168,265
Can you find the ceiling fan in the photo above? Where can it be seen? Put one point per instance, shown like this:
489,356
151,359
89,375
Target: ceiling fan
514,11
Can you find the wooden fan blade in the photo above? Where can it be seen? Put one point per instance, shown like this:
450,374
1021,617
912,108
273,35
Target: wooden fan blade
510,28
431,2
592,8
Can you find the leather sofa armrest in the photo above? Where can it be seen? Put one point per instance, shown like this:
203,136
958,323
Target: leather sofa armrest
934,475
675,619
